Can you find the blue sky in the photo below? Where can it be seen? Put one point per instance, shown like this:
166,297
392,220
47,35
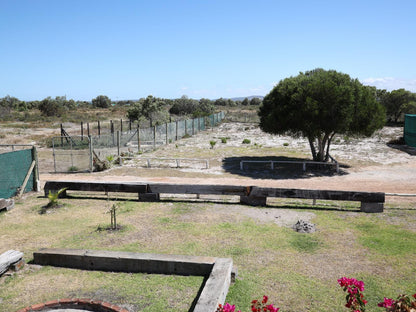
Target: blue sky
201,48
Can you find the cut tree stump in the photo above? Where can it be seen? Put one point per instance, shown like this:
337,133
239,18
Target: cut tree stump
10,258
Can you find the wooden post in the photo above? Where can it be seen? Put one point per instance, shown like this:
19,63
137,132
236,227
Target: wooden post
88,129
118,143
91,153
176,136
99,128
62,135
167,134
186,128
130,125
111,127
154,137
82,131
121,125
193,126
36,183
138,138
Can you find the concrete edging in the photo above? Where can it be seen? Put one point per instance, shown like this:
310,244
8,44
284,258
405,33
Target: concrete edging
217,271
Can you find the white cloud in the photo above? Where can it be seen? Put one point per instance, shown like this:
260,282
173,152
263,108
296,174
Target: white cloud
391,83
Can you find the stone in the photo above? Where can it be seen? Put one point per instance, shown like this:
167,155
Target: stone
304,227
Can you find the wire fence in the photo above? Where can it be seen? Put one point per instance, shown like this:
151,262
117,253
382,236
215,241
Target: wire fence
74,153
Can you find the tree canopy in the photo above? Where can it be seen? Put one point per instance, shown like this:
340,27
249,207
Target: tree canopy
150,108
318,104
397,103
101,101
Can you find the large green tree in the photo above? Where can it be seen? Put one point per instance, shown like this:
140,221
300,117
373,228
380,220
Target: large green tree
101,101
318,104
397,103
150,108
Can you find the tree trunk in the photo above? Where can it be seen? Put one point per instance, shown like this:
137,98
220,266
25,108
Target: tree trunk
328,145
313,149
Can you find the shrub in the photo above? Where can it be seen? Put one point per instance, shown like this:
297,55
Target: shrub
246,141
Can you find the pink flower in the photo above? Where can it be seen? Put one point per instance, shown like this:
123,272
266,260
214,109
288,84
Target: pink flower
228,308
387,303
271,308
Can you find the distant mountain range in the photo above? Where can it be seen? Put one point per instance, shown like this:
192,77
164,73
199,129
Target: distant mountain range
248,97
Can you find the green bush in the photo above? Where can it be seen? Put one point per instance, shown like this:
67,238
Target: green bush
246,141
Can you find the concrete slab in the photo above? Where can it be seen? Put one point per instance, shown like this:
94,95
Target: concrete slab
218,271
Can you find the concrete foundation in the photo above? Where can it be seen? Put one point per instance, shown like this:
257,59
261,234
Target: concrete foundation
217,271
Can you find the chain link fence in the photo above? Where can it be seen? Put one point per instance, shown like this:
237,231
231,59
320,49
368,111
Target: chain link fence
77,153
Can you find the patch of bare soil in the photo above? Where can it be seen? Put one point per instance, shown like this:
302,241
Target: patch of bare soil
368,164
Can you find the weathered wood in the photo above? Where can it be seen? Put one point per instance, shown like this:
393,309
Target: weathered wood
252,195
212,189
123,187
369,197
9,258
6,204
29,172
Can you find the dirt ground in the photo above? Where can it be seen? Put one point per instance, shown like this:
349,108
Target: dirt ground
367,164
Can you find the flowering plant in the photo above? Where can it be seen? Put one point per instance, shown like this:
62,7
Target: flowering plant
403,304
256,306
355,298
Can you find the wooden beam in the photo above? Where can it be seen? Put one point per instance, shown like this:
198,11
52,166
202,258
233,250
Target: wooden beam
369,197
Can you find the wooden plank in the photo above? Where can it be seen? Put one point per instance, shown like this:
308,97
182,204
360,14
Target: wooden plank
8,258
122,187
199,189
29,172
369,197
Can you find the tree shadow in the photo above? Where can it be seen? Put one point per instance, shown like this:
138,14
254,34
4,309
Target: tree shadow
404,148
259,169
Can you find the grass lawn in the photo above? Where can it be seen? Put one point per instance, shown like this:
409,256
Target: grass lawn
298,272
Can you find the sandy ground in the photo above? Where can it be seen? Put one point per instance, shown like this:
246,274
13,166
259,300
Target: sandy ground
376,166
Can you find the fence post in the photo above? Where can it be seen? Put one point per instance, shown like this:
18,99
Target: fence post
186,128
36,184
91,154
129,125
121,125
138,137
118,143
99,128
176,136
193,126
62,136
88,129
53,153
167,136
111,127
82,131
154,137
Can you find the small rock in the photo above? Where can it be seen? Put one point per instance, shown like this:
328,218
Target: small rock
304,227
